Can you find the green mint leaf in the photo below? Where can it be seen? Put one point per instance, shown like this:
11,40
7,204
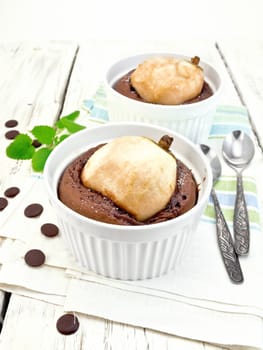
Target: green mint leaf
62,138
21,147
59,124
44,134
71,126
72,117
39,159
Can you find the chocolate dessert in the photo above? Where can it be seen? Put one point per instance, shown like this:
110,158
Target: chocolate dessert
124,87
95,205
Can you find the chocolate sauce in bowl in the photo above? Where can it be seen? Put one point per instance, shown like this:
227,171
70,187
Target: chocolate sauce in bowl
94,205
124,87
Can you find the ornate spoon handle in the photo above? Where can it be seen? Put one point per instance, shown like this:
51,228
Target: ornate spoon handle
241,222
226,244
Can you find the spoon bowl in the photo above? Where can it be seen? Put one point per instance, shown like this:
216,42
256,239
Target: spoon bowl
238,151
213,160
224,238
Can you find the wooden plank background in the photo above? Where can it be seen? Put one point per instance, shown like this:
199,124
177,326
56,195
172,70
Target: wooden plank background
42,81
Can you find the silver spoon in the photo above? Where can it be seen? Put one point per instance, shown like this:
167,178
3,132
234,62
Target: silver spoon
224,238
238,151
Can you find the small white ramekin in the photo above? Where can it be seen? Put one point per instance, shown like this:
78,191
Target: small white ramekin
193,120
126,252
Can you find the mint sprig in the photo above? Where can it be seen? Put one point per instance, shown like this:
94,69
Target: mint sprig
44,134
22,148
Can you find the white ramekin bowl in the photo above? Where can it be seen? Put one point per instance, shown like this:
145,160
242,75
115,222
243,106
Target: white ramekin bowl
126,252
191,120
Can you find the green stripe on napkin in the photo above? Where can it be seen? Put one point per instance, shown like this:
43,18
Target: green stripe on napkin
228,183
253,214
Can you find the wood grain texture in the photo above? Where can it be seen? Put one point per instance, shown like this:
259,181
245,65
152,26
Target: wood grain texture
34,78
31,324
243,59
40,82
33,83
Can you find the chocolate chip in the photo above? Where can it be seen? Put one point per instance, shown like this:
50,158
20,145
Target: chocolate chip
11,123
36,143
3,203
11,192
35,258
33,210
67,324
10,135
49,230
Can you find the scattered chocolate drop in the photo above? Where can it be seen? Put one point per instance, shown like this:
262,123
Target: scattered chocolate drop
33,210
11,123
67,324
35,258
36,143
49,230
10,135
3,203
11,192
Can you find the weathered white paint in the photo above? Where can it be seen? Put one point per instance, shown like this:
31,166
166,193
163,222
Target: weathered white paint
31,324
32,85
34,90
